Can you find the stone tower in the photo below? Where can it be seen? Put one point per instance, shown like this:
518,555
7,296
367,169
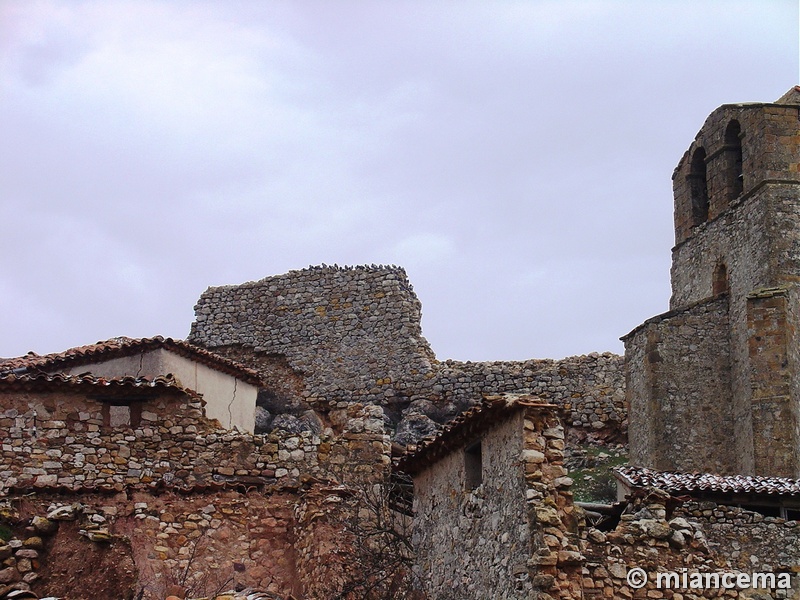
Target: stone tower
714,384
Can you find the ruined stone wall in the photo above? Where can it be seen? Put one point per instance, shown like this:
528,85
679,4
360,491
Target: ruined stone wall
679,391
58,439
197,544
326,336
589,390
698,539
748,539
568,560
193,504
352,333
512,535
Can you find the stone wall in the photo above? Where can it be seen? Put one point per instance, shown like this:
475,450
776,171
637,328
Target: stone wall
471,540
679,391
512,535
748,539
328,335
775,412
737,211
352,333
478,543
58,439
588,390
698,540
192,504
769,147
194,543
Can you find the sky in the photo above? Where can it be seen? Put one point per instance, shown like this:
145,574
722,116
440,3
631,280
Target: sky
514,156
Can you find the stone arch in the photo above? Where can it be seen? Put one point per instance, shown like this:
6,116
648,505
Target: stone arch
698,185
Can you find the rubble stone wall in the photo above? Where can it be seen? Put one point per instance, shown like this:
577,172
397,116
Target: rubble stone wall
328,335
476,539
198,543
58,439
513,535
699,539
747,538
589,390
678,383
195,505
352,333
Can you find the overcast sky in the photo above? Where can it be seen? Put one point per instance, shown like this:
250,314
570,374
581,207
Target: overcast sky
514,157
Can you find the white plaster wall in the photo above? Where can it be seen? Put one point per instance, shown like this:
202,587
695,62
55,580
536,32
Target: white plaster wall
229,400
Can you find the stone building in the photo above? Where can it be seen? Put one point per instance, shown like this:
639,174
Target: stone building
713,385
228,389
168,497
494,516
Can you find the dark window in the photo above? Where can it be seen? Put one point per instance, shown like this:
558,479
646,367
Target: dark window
699,187
473,466
720,284
793,514
734,182
767,511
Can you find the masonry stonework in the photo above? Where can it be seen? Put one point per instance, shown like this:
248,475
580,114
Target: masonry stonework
515,532
187,503
325,336
518,534
58,438
737,218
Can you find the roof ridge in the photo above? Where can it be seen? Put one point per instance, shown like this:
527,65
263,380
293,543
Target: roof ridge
86,354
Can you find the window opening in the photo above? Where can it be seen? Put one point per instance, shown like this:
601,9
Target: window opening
720,284
473,465
699,187
734,180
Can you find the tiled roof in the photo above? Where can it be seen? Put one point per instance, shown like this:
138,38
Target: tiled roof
675,482
465,428
125,346
15,381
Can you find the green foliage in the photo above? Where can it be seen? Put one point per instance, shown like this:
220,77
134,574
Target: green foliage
590,468
5,533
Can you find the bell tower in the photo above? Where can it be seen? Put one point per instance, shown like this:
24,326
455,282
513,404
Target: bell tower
714,384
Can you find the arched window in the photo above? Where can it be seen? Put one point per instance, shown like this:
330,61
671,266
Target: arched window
698,187
720,284
734,182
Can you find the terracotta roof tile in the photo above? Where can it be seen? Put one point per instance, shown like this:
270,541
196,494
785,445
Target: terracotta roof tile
465,428
14,381
125,346
675,482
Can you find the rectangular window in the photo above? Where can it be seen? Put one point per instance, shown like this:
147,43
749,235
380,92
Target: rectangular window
473,466
122,415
